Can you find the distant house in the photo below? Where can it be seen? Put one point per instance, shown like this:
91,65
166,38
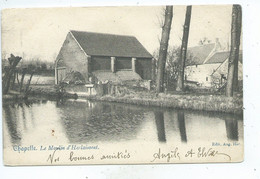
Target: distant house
207,65
103,57
219,75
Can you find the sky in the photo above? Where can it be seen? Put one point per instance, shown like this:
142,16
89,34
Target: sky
40,32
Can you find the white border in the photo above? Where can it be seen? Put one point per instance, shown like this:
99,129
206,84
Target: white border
250,168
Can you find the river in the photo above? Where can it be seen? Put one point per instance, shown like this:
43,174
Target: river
83,121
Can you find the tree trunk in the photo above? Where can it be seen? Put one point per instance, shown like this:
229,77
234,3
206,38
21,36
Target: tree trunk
239,23
234,53
7,79
14,76
17,78
182,59
153,69
22,78
28,84
163,48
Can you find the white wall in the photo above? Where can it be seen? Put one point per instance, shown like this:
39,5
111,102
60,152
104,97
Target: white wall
201,73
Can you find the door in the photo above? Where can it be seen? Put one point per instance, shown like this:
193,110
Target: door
61,74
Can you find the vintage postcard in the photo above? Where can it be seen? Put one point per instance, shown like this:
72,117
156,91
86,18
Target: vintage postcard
122,85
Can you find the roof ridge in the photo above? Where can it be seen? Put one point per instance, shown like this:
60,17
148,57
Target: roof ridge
78,43
101,33
228,51
222,52
211,54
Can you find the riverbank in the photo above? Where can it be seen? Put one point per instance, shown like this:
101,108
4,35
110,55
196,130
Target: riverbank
214,103
189,101
47,91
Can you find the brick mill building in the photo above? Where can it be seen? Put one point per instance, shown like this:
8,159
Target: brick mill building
105,57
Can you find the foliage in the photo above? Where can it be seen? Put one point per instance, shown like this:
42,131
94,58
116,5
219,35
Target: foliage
40,67
74,77
10,75
60,90
172,65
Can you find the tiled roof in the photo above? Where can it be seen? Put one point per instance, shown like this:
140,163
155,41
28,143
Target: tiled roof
220,57
197,55
99,44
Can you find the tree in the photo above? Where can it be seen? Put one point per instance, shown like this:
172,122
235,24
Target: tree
180,81
163,48
239,24
9,72
43,66
171,66
234,52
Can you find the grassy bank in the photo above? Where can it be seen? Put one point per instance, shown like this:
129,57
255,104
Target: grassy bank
191,101
215,103
48,91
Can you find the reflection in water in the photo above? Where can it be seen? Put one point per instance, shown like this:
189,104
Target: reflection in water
159,120
181,122
11,121
231,128
82,121
23,116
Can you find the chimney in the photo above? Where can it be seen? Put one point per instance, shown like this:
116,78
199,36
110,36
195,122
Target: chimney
227,46
218,46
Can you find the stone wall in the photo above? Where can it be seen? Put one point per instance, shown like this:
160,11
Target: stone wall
72,57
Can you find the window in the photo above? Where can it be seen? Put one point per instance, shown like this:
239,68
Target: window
207,78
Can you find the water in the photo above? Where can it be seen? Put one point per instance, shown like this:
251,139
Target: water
82,121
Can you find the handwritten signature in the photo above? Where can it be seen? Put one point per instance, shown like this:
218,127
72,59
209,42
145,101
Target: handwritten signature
168,155
201,152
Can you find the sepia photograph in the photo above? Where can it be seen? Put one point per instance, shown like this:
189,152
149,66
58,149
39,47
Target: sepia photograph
122,85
